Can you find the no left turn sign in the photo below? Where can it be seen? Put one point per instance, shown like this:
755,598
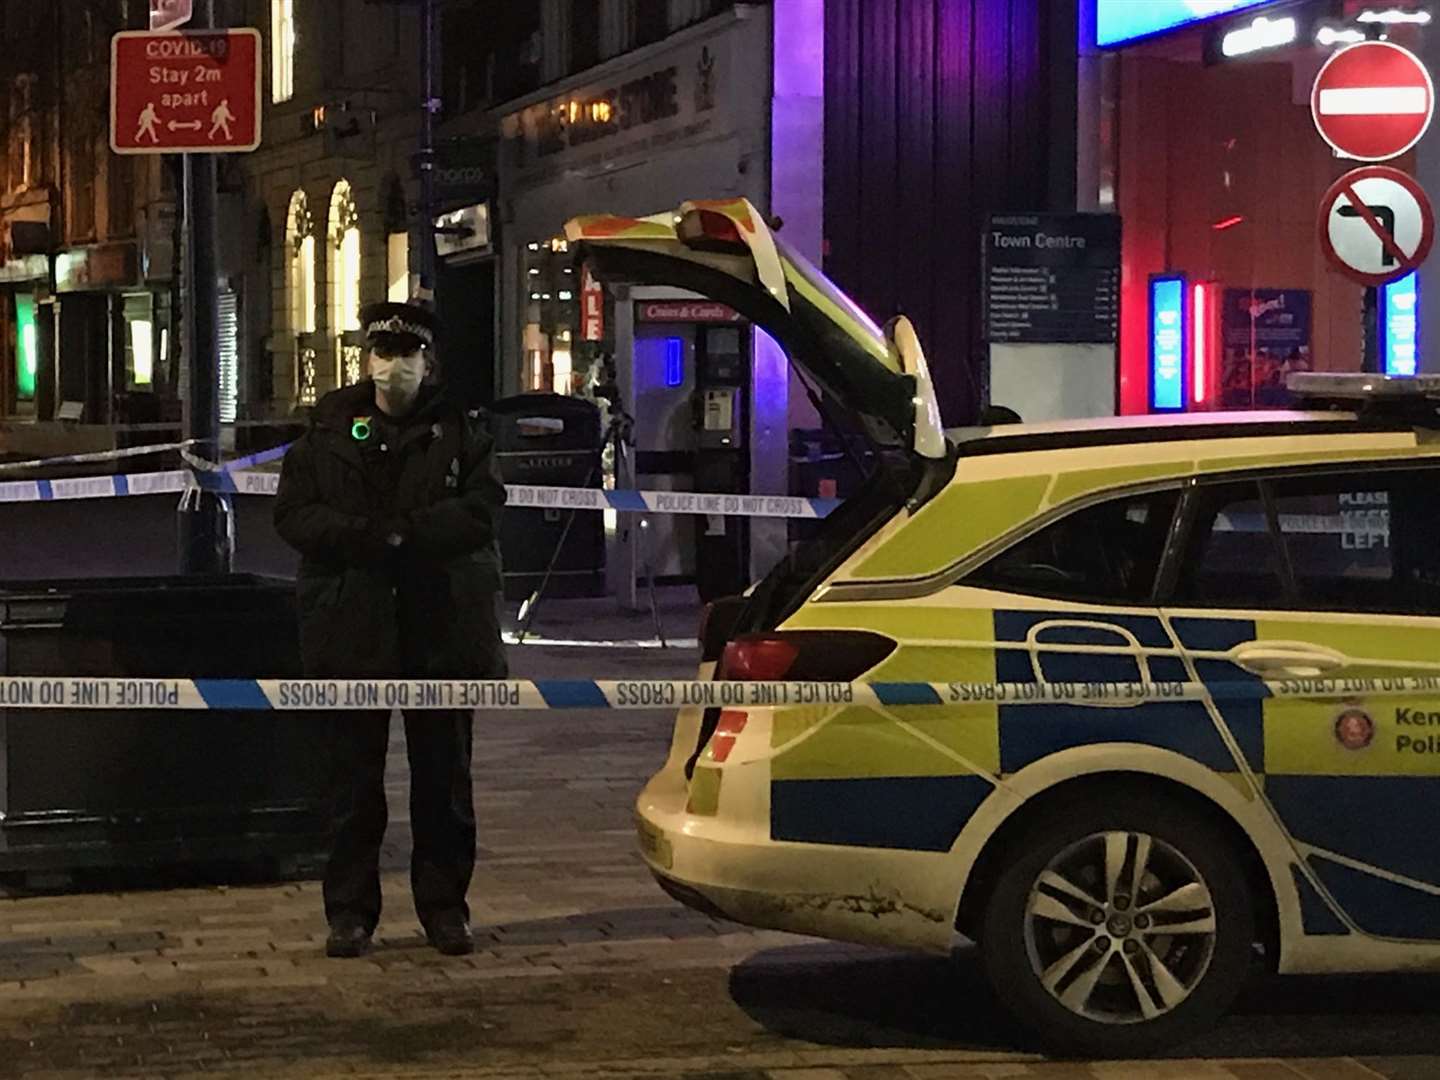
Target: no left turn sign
1376,224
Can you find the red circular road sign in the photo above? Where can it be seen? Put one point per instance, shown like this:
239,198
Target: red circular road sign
1372,101
1376,224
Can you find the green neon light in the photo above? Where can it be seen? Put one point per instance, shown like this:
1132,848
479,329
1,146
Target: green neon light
26,358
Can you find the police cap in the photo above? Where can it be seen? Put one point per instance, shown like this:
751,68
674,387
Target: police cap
399,326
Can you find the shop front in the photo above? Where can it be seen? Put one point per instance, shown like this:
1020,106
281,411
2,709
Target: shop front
111,340
1208,151
688,118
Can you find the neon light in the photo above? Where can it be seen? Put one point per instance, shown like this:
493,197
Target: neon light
1400,325
1200,340
26,356
1263,33
1228,223
1168,340
1119,21
1329,35
674,361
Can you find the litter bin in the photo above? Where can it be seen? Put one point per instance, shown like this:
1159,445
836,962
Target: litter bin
115,787
550,440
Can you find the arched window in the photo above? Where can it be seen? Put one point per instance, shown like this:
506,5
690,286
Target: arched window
344,234
300,292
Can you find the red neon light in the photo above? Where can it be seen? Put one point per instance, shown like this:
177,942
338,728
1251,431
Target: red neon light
1228,223
1200,341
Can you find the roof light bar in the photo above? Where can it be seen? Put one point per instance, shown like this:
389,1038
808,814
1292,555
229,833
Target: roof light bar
1350,386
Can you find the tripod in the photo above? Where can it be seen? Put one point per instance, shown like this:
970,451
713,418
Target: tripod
619,435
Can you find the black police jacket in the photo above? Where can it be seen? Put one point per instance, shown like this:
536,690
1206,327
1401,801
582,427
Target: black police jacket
426,609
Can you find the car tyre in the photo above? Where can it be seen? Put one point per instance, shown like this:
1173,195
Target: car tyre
1088,967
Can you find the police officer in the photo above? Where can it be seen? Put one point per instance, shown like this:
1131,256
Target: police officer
392,499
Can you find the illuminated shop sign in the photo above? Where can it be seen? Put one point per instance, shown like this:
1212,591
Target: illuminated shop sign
1120,21
1400,325
1167,342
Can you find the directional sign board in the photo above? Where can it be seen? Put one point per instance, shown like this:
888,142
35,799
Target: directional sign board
193,92
168,14
1376,224
1372,101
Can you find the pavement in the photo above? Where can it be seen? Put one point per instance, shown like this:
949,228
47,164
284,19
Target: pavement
585,970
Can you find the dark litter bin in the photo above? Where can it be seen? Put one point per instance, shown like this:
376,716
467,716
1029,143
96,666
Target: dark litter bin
110,787
550,440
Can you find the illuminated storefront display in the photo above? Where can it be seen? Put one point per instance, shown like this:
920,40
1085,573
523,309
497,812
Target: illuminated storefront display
1167,342
26,361
1120,21
1234,212
1400,325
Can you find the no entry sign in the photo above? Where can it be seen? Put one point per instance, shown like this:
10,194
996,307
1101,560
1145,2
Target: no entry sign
1372,101
1376,224
195,92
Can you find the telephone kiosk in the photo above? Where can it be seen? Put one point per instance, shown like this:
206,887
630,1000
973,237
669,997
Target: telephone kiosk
687,385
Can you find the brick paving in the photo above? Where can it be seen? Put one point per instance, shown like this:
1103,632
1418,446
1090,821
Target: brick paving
584,970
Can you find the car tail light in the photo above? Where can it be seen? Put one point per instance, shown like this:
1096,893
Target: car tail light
709,230
802,656
758,659
794,655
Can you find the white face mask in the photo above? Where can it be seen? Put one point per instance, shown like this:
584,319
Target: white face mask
398,377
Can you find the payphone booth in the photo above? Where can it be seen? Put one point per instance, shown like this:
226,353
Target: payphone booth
687,386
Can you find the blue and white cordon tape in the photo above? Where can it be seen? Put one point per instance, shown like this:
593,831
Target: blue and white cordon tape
237,481
647,694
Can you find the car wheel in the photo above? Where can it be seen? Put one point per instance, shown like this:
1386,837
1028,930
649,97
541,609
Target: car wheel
1118,930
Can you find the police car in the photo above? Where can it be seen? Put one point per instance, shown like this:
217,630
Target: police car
1121,858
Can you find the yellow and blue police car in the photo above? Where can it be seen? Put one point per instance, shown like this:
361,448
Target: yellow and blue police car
1179,742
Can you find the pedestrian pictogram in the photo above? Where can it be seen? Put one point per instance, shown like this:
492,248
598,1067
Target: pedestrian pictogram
1372,101
193,92
1376,224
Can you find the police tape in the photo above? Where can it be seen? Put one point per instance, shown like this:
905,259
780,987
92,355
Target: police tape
93,456
518,496
32,692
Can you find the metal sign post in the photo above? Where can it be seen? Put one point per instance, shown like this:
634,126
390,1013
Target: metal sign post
206,528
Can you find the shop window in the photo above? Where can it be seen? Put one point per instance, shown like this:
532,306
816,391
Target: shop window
140,342
1107,553
282,50
344,267
300,292
555,360
397,264
27,360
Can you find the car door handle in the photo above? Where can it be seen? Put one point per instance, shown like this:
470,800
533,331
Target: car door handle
1292,659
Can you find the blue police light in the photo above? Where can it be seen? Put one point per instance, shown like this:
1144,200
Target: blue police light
1121,21
1400,325
1168,338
